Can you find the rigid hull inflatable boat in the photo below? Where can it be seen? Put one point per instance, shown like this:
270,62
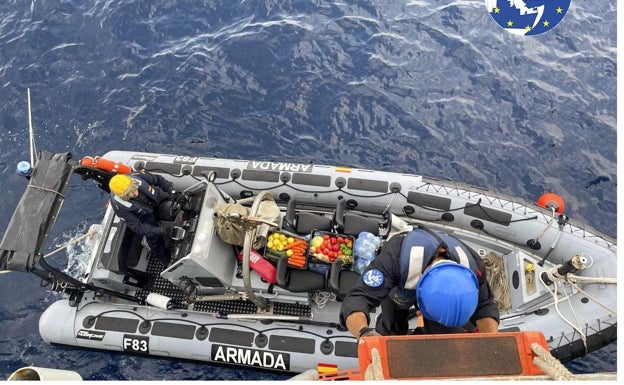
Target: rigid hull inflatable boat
242,303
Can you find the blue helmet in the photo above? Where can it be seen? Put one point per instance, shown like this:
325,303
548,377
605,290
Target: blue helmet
448,293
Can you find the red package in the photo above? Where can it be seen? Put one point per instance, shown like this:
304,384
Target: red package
260,265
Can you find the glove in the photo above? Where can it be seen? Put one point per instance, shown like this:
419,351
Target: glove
164,196
367,332
179,199
166,232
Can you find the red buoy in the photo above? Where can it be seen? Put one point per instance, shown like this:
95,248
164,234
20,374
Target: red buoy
106,165
551,200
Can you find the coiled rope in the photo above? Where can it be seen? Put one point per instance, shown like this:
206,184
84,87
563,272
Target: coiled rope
497,280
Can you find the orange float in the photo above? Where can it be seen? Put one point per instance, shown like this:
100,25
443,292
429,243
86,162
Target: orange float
106,165
548,200
447,356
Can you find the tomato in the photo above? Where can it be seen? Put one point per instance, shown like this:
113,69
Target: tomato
325,236
340,239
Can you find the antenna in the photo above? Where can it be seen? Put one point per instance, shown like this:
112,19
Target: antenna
33,150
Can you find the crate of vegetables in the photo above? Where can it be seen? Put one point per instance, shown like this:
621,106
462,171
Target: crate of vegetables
326,247
280,244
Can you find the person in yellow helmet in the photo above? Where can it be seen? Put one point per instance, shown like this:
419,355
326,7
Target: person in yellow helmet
135,199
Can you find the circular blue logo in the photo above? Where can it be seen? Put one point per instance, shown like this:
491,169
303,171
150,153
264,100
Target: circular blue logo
527,17
373,278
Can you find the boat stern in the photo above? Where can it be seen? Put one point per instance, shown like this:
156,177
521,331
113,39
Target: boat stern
56,324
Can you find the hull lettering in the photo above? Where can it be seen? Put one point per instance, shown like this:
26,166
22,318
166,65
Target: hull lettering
135,344
250,357
279,166
185,159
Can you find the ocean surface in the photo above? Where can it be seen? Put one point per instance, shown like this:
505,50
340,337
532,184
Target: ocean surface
433,87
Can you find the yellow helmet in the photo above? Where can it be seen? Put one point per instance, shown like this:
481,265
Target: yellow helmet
119,184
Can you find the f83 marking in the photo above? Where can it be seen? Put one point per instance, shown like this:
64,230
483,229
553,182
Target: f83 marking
135,344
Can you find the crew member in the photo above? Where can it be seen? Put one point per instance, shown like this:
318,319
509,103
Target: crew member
135,199
444,278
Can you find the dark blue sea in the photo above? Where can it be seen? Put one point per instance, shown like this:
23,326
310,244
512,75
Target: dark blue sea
433,87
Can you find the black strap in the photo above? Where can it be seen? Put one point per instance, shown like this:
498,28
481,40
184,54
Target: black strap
441,243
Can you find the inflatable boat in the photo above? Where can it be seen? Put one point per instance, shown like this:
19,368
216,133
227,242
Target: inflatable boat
250,282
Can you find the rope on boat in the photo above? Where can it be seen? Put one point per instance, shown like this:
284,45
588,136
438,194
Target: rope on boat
554,276
549,364
497,280
577,278
374,371
320,298
73,241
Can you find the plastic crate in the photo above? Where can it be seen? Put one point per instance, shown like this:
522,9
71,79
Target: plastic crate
330,258
274,255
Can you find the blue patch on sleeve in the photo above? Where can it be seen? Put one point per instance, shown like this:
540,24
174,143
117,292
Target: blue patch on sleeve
373,278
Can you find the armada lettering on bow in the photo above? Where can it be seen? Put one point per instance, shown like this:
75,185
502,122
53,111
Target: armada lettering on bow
279,166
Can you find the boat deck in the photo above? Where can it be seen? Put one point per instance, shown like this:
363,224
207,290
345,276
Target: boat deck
162,286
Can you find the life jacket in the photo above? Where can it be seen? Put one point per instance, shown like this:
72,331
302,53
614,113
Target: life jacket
418,248
136,206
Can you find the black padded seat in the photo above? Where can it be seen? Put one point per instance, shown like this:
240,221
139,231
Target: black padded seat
304,222
341,281
125,254
297,280
353,224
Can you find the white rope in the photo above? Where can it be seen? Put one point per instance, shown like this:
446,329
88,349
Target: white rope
596,301
73,241
320,298
374,372
498,280
549,364
556,303
578,278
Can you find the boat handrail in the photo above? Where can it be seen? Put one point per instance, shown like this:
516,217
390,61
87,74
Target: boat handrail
250,235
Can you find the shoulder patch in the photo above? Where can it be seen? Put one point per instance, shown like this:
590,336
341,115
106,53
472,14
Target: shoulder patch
373,278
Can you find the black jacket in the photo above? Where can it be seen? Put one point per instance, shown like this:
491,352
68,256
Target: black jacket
363,298
139,212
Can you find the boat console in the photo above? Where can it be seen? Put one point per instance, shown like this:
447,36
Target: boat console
202,269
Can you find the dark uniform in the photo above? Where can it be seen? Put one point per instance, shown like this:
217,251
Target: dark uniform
390,280
139,215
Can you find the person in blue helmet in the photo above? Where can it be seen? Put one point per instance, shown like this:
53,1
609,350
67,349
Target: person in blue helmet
135,199
435,272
